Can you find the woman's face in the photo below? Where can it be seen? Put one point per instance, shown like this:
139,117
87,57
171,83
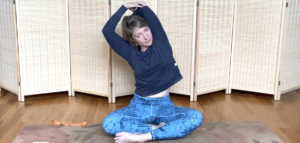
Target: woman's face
142,36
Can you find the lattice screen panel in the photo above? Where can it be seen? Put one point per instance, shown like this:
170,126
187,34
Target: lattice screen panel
290,65
122,74
256,45
43,46
178,19
215,22
8,52
89,49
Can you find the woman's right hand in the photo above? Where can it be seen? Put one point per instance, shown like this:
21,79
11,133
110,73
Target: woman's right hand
133,5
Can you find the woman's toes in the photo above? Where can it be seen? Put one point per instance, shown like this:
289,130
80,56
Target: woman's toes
118,134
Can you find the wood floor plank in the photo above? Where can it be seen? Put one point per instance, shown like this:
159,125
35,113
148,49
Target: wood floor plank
282,117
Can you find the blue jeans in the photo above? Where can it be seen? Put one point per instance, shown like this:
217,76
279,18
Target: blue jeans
179,121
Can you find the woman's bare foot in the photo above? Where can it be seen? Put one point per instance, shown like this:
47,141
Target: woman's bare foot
124,137
157,126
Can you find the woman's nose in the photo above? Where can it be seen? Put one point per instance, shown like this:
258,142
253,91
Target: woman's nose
145,36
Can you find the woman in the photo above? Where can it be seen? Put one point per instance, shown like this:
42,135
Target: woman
151,115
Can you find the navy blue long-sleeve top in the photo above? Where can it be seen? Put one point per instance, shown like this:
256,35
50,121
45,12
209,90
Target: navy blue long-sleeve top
155,69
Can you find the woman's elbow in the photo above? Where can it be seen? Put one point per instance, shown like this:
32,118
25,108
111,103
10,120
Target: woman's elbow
104,31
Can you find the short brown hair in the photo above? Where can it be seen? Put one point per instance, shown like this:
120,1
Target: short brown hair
129,23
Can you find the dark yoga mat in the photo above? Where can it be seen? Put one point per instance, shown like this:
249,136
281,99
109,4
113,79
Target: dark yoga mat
208,132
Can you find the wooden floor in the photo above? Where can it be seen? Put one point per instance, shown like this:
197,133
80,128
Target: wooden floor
282,117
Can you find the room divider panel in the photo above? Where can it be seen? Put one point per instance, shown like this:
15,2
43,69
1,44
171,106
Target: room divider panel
179,21
90,53
8,49
290,61
123,80
43,39
214,36
230,44
256,45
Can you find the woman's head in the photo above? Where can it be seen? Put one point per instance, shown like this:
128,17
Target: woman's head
135,30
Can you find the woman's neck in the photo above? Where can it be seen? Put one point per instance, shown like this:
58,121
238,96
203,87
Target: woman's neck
143,49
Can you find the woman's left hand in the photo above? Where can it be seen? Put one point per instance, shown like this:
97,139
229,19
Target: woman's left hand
134,5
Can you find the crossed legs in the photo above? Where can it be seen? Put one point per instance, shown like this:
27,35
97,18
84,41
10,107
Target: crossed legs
155,120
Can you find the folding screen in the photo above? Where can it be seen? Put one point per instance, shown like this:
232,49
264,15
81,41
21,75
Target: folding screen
290,60
43,39
34,46
123,80
179,21
214,36
256,38
8,49
90,53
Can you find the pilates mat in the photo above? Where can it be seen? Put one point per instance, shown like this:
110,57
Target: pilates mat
208,132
